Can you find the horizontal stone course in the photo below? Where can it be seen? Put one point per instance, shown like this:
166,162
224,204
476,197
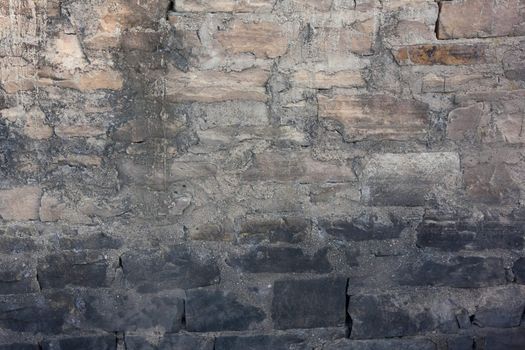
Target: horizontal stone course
262,174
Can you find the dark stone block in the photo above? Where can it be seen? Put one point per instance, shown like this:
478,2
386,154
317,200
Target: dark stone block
519,270
288,230
363,228
381,344
45,313
309,303
462,342
459,272
170,342
407,192
83,269
93,241
507,340
17,276
107,342
19,346
501,308
210,311
386,316
14,245
260,342
453,236
114,311
178,267
281,260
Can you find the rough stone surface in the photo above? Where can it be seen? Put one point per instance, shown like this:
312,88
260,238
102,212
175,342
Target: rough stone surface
308,303
208,311
406,344
262,174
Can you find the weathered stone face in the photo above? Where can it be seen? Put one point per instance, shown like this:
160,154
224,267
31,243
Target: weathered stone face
262,174
492,19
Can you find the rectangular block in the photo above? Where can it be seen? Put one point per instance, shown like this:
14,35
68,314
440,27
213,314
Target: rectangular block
263,39
44,313
376,116
171,268
169,342
446,54
329,42
309,303
407,179
381,344
401,314
215,86
17,276
123,310
108,342
481,19
81,269
512,339
454,236
255,229
298,167
20,203
312,79
238,6
210,311
457,272
364,227
489,121
281,260
259,342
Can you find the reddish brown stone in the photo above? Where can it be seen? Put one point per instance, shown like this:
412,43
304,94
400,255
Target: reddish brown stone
450,54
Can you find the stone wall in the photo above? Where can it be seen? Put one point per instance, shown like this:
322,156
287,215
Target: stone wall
262,174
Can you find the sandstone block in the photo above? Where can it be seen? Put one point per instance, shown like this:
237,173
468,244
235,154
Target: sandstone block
488,122
214,86
481,19
297,167
263,39
313,79
224,6
406,179
20,203
445,54
376,116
